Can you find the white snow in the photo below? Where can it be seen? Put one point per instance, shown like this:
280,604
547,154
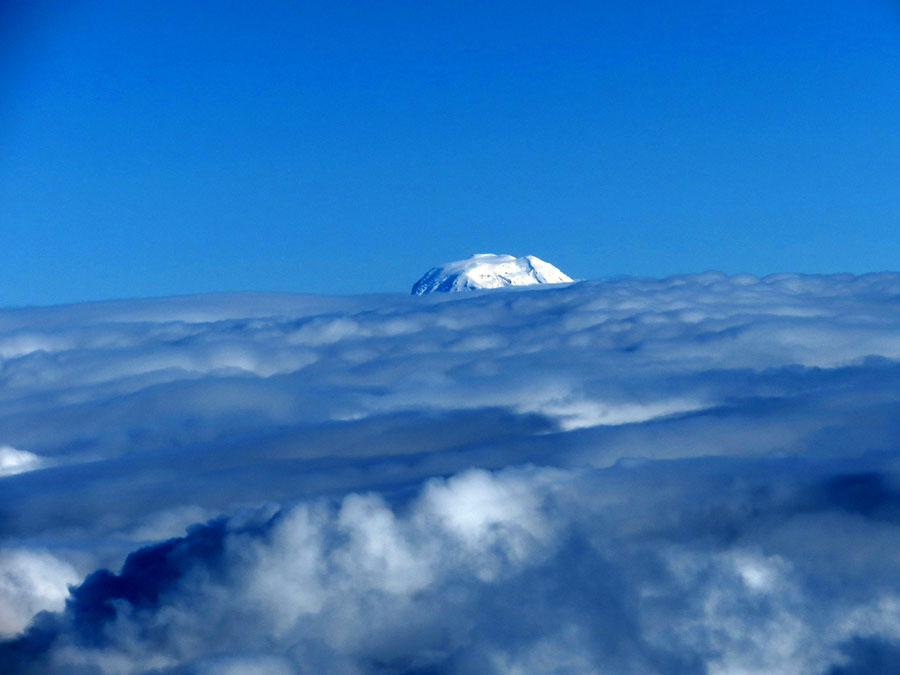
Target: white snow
487,270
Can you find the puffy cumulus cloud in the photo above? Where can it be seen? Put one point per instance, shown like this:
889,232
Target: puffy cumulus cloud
521,570
328,586
30,582
694,474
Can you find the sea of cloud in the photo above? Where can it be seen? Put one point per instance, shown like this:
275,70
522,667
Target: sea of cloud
698,474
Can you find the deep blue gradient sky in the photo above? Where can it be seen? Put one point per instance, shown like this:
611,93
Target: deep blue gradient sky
177,147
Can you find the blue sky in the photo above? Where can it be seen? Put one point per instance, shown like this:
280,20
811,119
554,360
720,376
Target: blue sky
168,147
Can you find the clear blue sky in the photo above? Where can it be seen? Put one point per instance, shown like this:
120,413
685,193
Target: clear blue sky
154,148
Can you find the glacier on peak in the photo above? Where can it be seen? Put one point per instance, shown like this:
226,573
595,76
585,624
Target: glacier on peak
488,270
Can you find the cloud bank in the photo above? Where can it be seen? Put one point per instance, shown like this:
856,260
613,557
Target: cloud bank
690,475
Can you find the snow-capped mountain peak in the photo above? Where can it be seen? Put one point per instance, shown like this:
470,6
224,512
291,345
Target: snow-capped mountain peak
487,270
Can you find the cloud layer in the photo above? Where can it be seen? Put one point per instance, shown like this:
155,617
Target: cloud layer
695,474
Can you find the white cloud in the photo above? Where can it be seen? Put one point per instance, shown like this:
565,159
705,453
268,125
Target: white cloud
697,474
30,582
13,461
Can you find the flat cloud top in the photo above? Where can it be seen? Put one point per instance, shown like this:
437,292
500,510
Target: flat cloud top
692,474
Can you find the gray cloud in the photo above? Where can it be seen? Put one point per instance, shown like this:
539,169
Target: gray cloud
695,474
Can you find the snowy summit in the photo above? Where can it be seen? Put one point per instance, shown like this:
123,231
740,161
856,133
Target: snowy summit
487,270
